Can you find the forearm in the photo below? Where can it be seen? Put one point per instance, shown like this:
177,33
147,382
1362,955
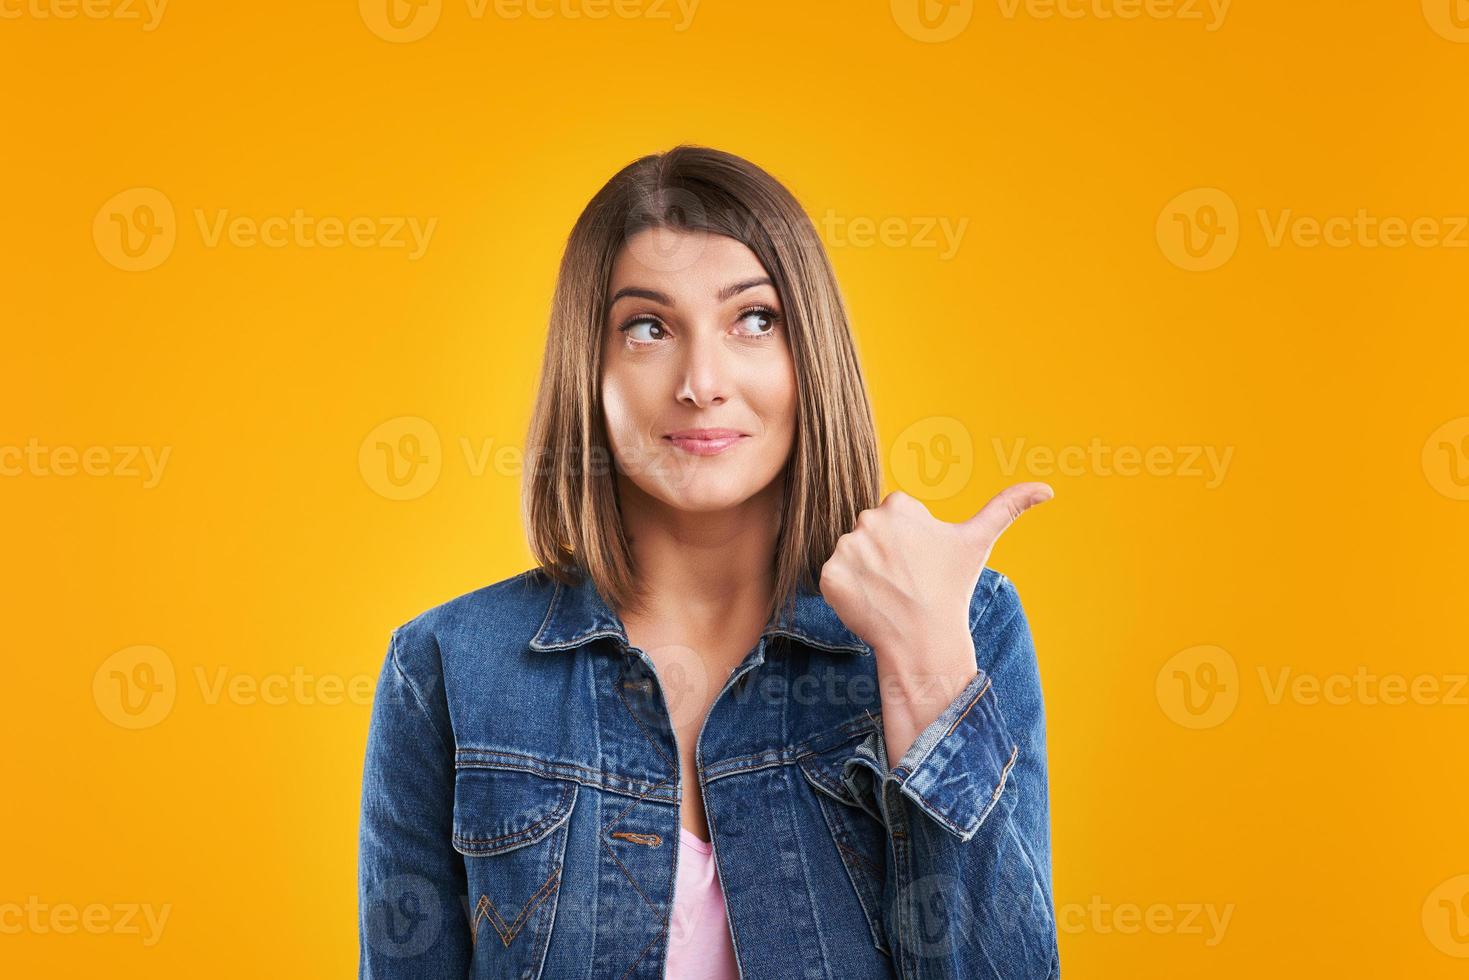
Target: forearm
968,862
913,696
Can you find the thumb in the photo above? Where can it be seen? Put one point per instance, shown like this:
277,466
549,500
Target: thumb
1003,508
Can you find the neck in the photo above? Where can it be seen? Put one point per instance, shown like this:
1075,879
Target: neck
704,569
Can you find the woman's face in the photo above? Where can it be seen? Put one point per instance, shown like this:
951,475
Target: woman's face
696,340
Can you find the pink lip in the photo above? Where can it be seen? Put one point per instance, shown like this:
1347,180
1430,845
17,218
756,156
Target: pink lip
704,442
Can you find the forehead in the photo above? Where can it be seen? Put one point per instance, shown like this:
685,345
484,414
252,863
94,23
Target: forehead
691,262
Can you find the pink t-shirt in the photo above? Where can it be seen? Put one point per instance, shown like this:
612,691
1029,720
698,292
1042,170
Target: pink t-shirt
699,946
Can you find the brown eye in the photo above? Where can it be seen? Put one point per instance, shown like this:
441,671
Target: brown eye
769,317
656,330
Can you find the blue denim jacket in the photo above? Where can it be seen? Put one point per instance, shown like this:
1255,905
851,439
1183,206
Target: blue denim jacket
521,796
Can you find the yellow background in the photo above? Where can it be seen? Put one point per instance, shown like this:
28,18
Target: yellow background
1332,834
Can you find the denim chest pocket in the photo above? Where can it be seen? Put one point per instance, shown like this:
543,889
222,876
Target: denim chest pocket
511,827
859,835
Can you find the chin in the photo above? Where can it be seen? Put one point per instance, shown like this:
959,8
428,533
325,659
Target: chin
706,496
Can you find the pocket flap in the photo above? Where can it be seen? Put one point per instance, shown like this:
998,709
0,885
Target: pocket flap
830,770
824,771
498,810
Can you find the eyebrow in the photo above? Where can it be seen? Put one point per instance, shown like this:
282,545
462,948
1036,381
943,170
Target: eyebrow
728,292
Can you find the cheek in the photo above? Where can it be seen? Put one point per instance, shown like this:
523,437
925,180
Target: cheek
615,410
623,411
774,395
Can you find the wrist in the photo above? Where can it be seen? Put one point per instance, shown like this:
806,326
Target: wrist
925,668
918,683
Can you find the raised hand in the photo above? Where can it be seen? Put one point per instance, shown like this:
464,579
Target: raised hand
902,580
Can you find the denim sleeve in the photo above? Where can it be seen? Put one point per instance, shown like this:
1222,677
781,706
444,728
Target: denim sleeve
411,881
968,885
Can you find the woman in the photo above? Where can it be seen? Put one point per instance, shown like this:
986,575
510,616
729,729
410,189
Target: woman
664,751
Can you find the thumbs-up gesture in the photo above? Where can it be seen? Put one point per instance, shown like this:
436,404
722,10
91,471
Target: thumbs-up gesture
902,580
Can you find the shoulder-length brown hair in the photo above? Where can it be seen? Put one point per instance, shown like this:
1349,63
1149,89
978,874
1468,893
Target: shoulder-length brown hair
569,497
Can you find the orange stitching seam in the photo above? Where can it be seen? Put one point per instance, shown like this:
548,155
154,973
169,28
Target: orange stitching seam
987,682
495,919
490,840
861,858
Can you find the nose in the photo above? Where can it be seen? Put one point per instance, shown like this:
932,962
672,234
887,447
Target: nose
705,375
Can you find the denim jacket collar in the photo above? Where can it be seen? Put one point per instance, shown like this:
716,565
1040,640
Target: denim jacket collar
578,614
